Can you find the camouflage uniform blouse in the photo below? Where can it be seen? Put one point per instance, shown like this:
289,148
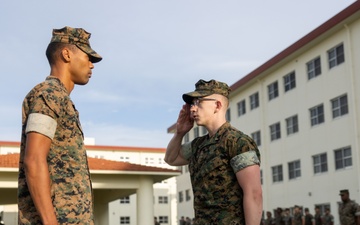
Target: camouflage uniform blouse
348,212
213,164
297,218
328,219
48,110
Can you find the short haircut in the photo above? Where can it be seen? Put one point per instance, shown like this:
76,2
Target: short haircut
54,49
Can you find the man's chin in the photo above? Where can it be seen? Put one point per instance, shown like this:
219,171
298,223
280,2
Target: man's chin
82,82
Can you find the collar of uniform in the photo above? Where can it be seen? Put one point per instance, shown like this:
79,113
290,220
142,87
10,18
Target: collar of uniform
56,79
220,131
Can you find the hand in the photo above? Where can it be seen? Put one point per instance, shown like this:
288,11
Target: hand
185,122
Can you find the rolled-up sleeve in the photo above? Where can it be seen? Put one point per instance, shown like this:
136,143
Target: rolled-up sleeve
42,124
186,150
243,160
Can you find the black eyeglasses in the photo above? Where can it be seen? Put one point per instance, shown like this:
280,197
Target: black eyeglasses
197,101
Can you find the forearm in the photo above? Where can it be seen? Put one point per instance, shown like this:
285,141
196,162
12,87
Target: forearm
38,180
173,149
253,208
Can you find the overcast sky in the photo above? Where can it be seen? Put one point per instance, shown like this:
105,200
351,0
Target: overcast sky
153,52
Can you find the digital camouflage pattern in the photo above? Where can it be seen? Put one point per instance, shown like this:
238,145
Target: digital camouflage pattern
206,88
297,218
78,37
348,212
217,195
71,191
328,219
318,219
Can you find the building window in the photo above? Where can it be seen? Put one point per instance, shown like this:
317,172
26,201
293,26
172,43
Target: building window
125,200
275,131
181,196
196,132
187,137
343,158
317,115
187,195
277,173
323,207
256,137
336,56
124,159
163,219
124,220
149,160
314,68
339,106
204,131
273,90
163,200
254,101
320,163
292,125
294,169
289,81
228,115
241,107
186,168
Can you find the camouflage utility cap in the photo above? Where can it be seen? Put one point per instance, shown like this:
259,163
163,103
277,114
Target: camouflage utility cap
78,37
206,88
345,191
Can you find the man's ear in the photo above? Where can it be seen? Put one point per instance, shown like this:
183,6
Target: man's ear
219,106
66,54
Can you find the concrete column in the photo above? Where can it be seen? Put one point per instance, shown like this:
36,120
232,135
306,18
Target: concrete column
145,201
101,213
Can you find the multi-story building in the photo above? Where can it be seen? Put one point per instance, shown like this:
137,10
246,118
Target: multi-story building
126,209
302,108
123,211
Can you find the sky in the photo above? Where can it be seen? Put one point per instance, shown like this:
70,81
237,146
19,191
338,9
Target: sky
153,51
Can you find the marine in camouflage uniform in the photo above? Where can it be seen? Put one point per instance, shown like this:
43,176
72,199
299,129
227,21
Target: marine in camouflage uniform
309,218
349,211
297,217
317,216
214,161
328,219
48,110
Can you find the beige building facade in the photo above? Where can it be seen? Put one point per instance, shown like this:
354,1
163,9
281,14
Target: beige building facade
302,107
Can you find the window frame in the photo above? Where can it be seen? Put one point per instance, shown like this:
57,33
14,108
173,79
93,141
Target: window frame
336,55
254,101
228,115
273,90
320,163
317,117
340,109
163,199
125,200
163,219
277,173
289,81
181,196
124,219
294,169
241,107
314,68
275,131
196,132
292,125
345,158
256,136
